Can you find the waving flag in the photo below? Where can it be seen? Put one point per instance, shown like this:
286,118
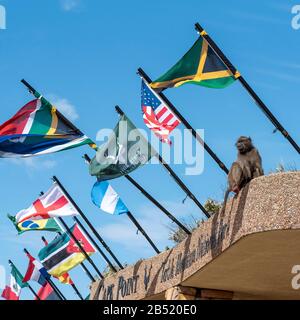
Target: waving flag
64,278
13,291
62,254
52,203
36,272
201,66
156,114
121,155
35,225
38,129
106,198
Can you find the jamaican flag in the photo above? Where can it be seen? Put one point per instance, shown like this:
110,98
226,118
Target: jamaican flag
200,65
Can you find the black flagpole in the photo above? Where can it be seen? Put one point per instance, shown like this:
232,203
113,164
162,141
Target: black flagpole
245,84
72,284
50,282
95,244
97,235
157,204
149,197
86,270
29,286
81,248
147,79
143,232
174,175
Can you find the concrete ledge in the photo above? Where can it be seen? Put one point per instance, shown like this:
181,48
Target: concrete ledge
250,249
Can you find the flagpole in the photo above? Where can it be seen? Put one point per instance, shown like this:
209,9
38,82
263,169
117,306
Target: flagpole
95,232
143,232
174,175
86,270
81,248
52,285
149,197
95,244
72,284
77,291
147,79
158,205
29,286
248,88
135,222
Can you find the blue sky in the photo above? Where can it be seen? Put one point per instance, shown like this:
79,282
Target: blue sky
83,55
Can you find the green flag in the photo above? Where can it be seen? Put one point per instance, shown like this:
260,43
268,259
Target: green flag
35,225
18,276
125,151
201,66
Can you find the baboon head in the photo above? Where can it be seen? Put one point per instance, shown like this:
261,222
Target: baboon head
244,144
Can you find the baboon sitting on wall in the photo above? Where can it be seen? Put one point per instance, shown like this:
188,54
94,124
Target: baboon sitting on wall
247,166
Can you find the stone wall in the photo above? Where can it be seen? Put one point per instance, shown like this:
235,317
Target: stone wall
267,203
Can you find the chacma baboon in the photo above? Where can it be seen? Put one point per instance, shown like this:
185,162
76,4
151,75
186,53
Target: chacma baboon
247,166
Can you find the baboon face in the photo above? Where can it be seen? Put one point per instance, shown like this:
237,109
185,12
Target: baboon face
244,144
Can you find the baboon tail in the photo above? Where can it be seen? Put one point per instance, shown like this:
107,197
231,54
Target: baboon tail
225,201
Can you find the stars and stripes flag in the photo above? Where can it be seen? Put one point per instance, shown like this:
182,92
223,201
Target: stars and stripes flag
156,114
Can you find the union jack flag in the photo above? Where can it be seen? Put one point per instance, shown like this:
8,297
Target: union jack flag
156,114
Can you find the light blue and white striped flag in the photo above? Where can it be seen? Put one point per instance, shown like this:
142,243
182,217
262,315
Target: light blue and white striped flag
106,198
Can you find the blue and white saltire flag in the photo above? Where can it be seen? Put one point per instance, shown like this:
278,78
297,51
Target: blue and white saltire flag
106,198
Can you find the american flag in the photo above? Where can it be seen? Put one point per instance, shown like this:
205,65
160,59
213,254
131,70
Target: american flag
156,114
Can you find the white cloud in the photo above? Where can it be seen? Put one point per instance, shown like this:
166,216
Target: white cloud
64,106
69,5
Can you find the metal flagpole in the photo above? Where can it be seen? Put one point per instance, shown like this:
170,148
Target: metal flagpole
153,200
86,270
147,79
143,232
157,204
248,88
81,248
52,285
174,175
29,286
95,232
72,284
